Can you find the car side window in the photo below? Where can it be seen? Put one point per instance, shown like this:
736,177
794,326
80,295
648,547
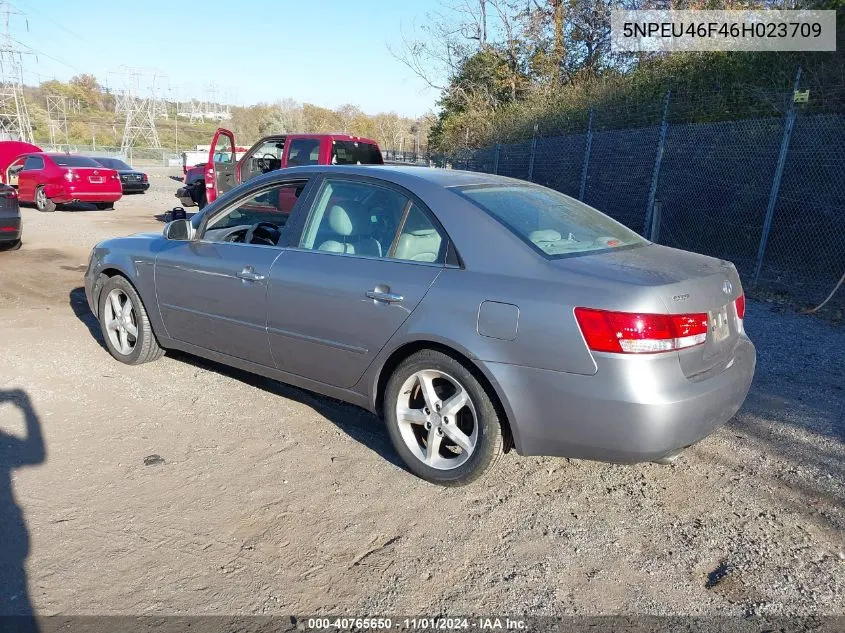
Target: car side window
419,240
363,219
304,151
270,206
34,162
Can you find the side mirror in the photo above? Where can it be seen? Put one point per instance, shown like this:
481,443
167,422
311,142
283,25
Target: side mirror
178,230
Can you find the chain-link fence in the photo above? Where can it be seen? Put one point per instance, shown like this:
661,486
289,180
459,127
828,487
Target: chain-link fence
135,156
767,193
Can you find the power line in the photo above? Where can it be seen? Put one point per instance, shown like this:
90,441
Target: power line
46,17
36,52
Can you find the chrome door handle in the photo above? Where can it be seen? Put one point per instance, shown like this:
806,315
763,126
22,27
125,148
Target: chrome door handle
387,297
249,274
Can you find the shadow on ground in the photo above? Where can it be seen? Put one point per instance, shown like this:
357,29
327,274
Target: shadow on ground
15,453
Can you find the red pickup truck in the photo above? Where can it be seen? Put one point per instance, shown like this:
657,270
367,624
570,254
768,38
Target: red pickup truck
204,183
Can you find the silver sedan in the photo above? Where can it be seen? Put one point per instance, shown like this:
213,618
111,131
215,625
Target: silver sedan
477,314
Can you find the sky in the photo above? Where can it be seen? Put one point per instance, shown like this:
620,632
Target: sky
325,52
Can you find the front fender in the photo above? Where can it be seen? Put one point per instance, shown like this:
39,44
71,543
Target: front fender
133,258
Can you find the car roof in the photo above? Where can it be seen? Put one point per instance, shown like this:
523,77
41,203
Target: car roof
410,175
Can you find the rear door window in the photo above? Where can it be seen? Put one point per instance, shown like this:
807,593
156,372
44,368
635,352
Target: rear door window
34,162
304,151
355,153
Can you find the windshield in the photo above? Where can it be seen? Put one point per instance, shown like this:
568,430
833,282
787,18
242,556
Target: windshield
75,161
112,163
552,223
355,153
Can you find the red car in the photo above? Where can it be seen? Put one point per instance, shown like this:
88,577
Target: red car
49,179
224,170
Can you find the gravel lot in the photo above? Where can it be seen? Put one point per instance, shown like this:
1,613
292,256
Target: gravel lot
274,500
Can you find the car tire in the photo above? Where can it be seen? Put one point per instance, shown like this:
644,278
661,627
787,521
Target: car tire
202,199
11,246
118,332
102,206
475,425
42,202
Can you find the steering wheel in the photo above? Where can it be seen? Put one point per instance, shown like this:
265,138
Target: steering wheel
263,233
264,162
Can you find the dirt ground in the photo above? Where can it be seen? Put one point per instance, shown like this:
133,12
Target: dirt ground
272,500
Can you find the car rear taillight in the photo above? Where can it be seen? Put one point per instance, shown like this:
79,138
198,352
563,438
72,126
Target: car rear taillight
144,178
740,306
634,333
114,176
9,193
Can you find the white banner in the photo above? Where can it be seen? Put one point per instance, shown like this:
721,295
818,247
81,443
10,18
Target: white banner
763,30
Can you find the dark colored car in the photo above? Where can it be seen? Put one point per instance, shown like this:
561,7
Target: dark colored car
132,180
475,312
50,179
10,219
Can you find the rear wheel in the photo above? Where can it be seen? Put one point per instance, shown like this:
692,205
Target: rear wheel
441,420
102,206
42,202
126,328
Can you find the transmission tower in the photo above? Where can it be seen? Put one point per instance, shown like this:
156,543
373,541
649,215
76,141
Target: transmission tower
14,116
140,124
57,107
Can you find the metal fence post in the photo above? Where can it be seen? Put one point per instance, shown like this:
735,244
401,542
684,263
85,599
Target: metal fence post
496,159
657,213
587,146
773,195
658,159
533,150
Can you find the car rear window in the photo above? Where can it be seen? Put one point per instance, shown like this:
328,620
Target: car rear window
553,224
355,153
75,161
112,163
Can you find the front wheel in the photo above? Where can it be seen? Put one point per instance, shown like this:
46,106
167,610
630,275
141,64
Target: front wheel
102,206
42,202
441,420
126,328
201,198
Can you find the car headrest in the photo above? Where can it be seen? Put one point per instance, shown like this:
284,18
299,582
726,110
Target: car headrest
544,235
349,220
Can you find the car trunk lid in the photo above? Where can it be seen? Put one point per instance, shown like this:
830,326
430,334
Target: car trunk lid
94,178
686,283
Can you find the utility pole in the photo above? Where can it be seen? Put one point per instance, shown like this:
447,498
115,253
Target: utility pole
14,116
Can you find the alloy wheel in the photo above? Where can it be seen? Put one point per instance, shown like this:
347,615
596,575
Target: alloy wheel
437,419
121,323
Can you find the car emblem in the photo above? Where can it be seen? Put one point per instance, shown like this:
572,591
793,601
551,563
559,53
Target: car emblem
96,172
727,287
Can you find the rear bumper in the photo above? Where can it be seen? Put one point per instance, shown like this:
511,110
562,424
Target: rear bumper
10,230
64,195
633,409
135,187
